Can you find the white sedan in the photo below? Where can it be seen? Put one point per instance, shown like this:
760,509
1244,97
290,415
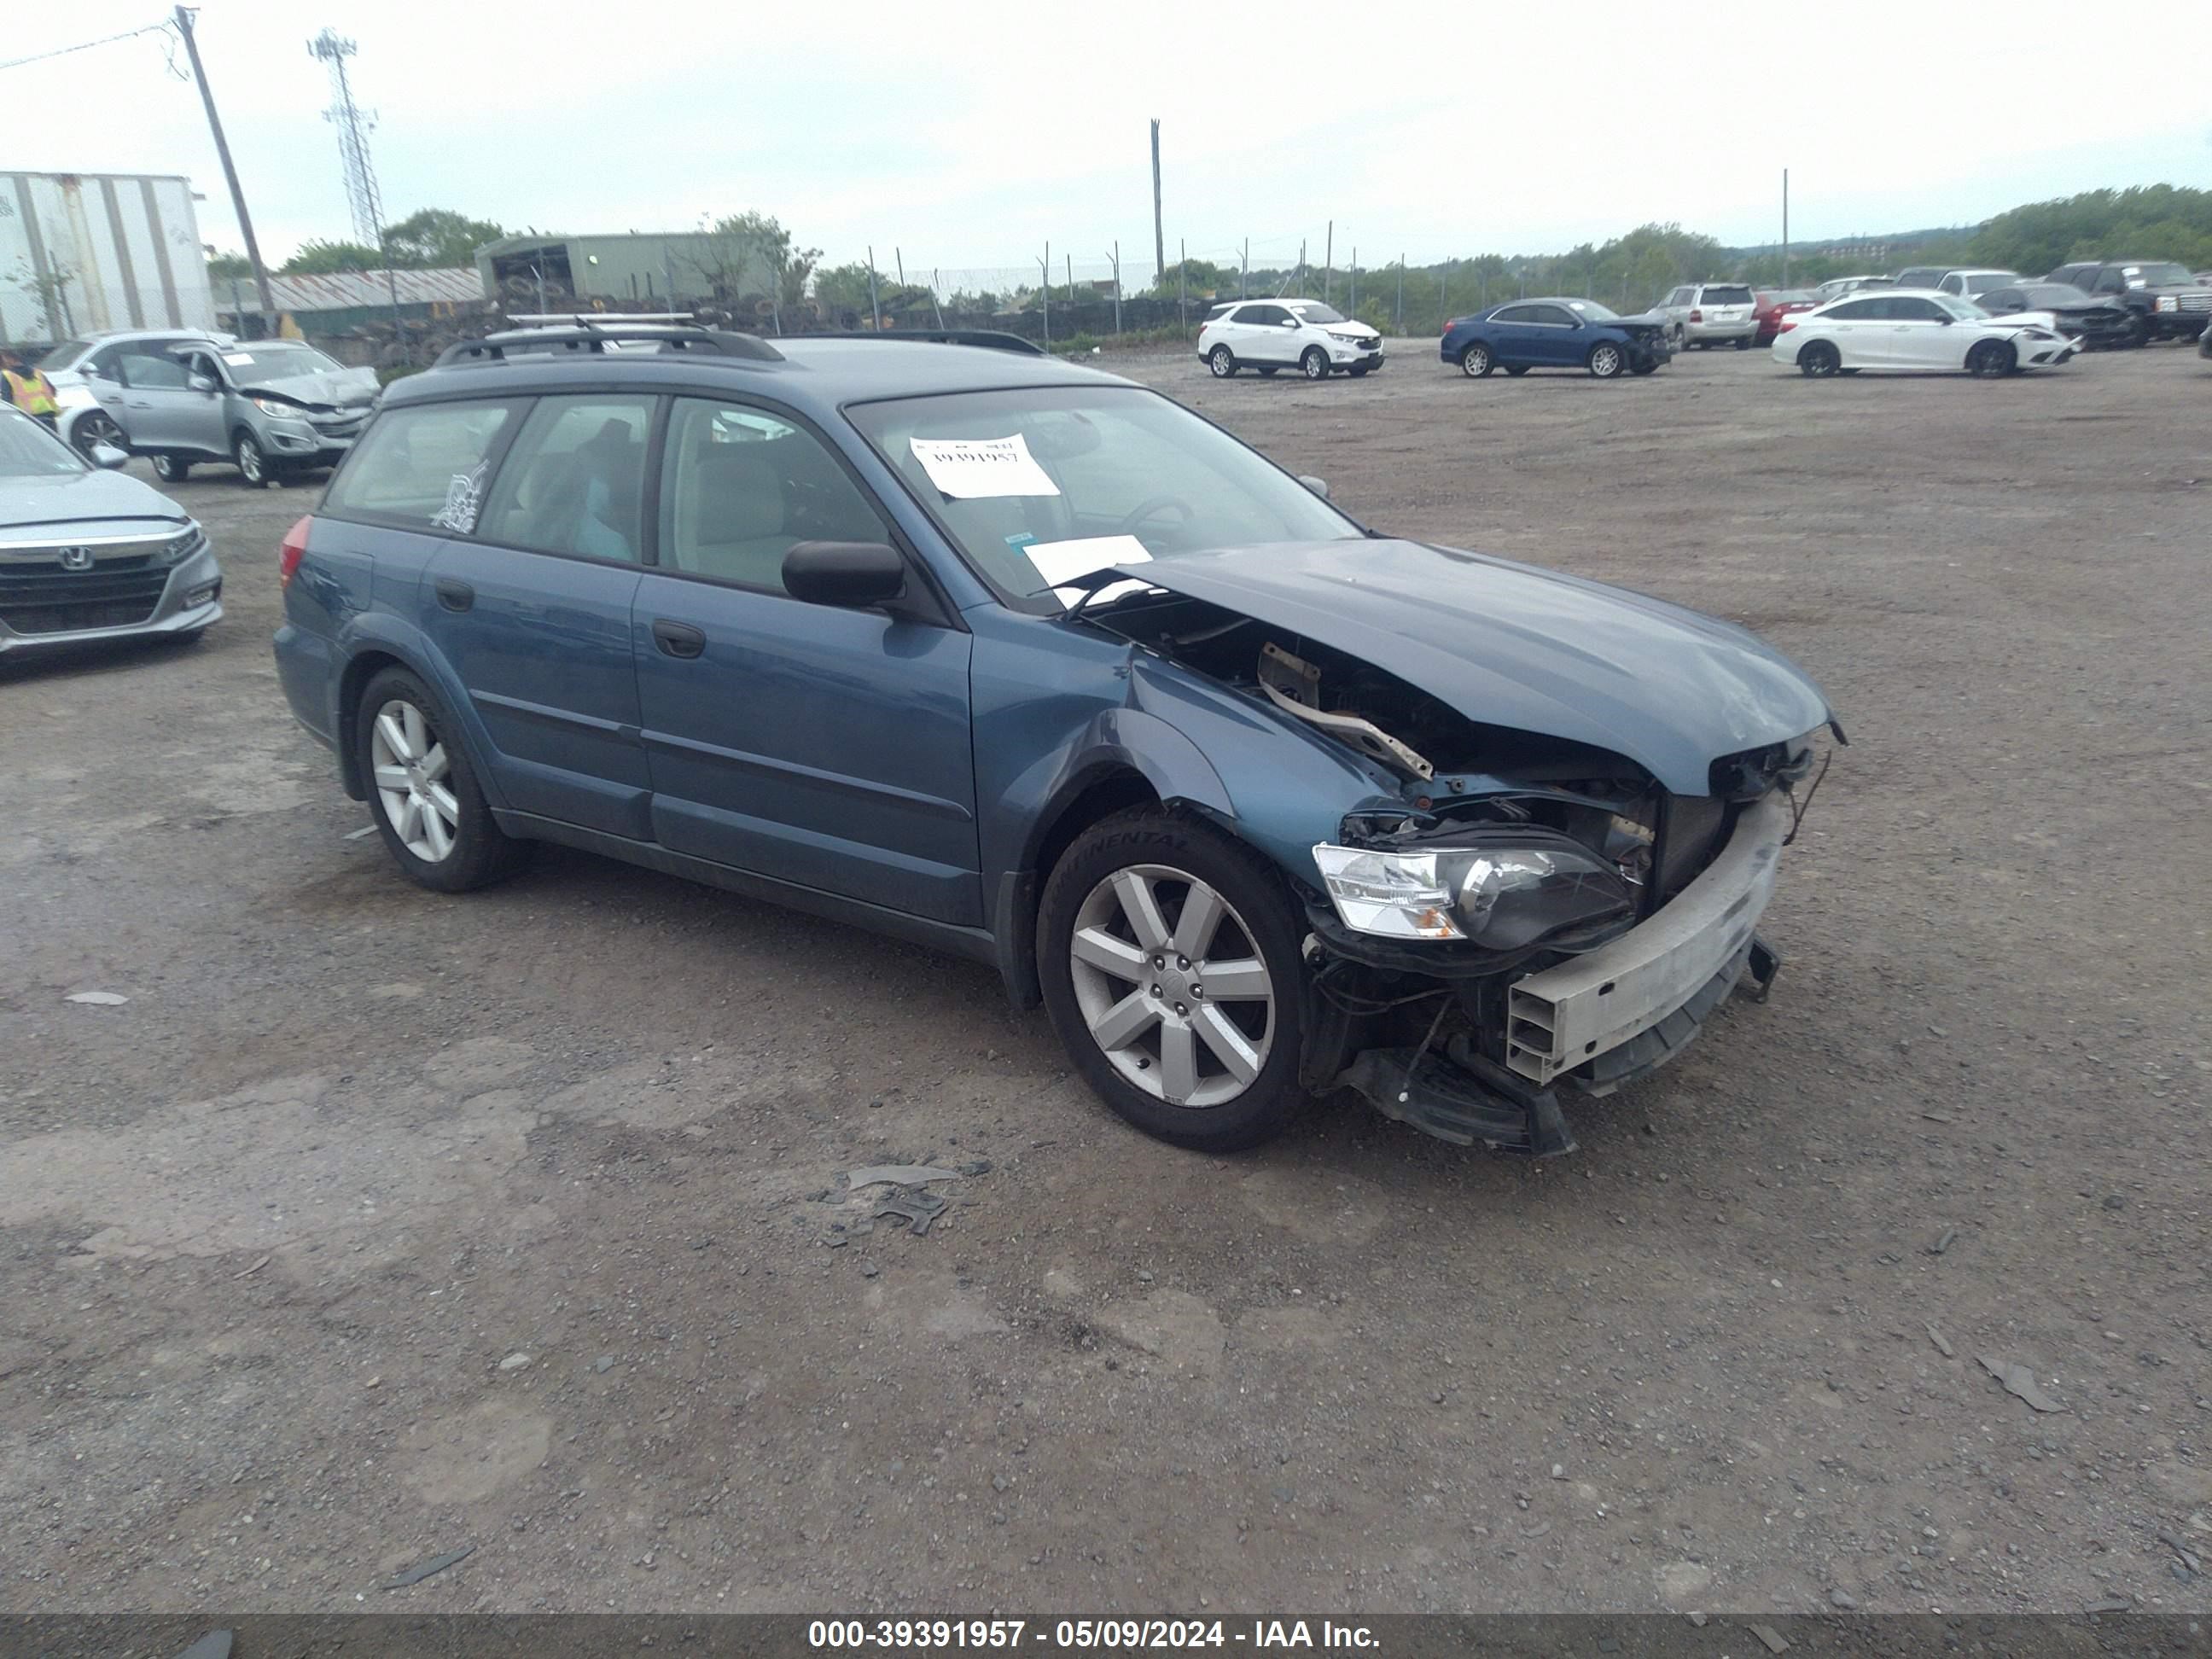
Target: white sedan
1917,329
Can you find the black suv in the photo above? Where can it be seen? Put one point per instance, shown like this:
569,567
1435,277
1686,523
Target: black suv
2164,302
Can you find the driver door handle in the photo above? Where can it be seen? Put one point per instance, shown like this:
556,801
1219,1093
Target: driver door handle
677,639
454,596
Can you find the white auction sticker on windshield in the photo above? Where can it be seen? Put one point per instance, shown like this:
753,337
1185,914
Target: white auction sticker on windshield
238,359
1059,562
971,469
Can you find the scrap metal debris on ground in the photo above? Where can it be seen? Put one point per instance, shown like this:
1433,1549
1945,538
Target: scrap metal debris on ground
897,1175
2018,1381
919,1208
97,999
421,1569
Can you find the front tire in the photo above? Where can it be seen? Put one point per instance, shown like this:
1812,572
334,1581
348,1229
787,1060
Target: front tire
252,465
169,469
1476,361
1314,364
96,429
1606,361
2139,330
1818,360
1517,370
1223,361
1169,959
422,791
1992,360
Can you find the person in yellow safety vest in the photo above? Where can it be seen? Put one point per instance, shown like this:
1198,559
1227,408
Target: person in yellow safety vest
28,390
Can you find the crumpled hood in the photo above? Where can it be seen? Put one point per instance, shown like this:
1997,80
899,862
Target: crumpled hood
1511,645
34,509
346,388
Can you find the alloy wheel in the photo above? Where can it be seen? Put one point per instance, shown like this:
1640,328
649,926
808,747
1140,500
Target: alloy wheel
1172,985
1604,361
1315,365
251,468
94,430
1474,361
410,769
1222,362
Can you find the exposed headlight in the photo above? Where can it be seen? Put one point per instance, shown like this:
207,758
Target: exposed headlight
1504,895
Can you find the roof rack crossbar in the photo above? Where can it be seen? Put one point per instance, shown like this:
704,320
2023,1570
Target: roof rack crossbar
593,338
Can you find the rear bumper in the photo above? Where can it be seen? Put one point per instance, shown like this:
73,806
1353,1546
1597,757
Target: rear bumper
1566,1021
1720,331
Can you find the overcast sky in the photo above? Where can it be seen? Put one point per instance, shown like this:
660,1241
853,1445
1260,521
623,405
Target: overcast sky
965,136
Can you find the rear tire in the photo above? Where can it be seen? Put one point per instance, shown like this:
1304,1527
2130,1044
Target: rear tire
1233,1057
1223,361
1817,360
1992,360
423,790
169,469
1314,364
1476,361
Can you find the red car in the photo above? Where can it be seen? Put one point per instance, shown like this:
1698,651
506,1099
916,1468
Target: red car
1770,305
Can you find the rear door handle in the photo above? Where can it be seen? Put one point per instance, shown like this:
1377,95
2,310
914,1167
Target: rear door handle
679,638
454,596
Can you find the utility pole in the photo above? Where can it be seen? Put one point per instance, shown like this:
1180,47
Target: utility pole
875,310
1045,266
184,16
1160,233
1354,307
1117,285
1328,261
1398,326
1785,227
900,259
1244,271
1182,285
934,282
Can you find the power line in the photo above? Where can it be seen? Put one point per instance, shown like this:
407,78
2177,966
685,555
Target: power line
87,45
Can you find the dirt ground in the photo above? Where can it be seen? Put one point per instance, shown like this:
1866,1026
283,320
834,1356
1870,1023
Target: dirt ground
377,1225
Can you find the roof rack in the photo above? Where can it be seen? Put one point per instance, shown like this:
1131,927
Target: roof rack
991,339
584,335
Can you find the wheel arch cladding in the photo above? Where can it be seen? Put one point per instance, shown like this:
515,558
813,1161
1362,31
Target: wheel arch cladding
382,642
360,669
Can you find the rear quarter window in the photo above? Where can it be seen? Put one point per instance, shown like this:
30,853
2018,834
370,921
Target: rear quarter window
424,467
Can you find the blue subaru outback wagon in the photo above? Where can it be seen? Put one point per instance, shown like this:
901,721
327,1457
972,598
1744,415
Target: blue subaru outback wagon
1032,664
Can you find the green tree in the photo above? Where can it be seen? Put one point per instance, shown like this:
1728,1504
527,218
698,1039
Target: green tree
225,266
2149,222
320,258
439,239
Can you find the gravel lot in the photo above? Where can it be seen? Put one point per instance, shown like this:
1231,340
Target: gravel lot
377,1225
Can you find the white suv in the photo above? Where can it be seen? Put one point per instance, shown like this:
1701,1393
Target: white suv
1269,335
1709,314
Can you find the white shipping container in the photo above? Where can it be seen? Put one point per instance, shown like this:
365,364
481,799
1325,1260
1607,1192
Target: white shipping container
82,252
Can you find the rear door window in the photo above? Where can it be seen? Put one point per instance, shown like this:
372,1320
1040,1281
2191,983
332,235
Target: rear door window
423,467
575,481
1514,315
1856,311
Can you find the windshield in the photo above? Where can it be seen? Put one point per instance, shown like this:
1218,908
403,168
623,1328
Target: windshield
1965,310
1315,312
27,450
1594,311
65,355
1042,483
260,363
2165,276
2047,295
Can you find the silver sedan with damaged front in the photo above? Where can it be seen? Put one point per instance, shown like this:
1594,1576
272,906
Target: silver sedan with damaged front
87,554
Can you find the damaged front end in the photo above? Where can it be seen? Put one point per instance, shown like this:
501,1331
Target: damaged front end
1512,911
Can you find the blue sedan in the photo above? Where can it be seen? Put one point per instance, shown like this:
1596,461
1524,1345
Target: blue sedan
1555,333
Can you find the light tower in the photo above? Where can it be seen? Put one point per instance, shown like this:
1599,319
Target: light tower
354,124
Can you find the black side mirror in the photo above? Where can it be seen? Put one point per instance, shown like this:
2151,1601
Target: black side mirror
854,575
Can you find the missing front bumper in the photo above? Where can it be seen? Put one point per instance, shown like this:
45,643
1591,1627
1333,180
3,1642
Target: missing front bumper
1467,1103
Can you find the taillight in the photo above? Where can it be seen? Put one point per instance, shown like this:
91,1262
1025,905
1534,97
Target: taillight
1783,326
291,551
1697,316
